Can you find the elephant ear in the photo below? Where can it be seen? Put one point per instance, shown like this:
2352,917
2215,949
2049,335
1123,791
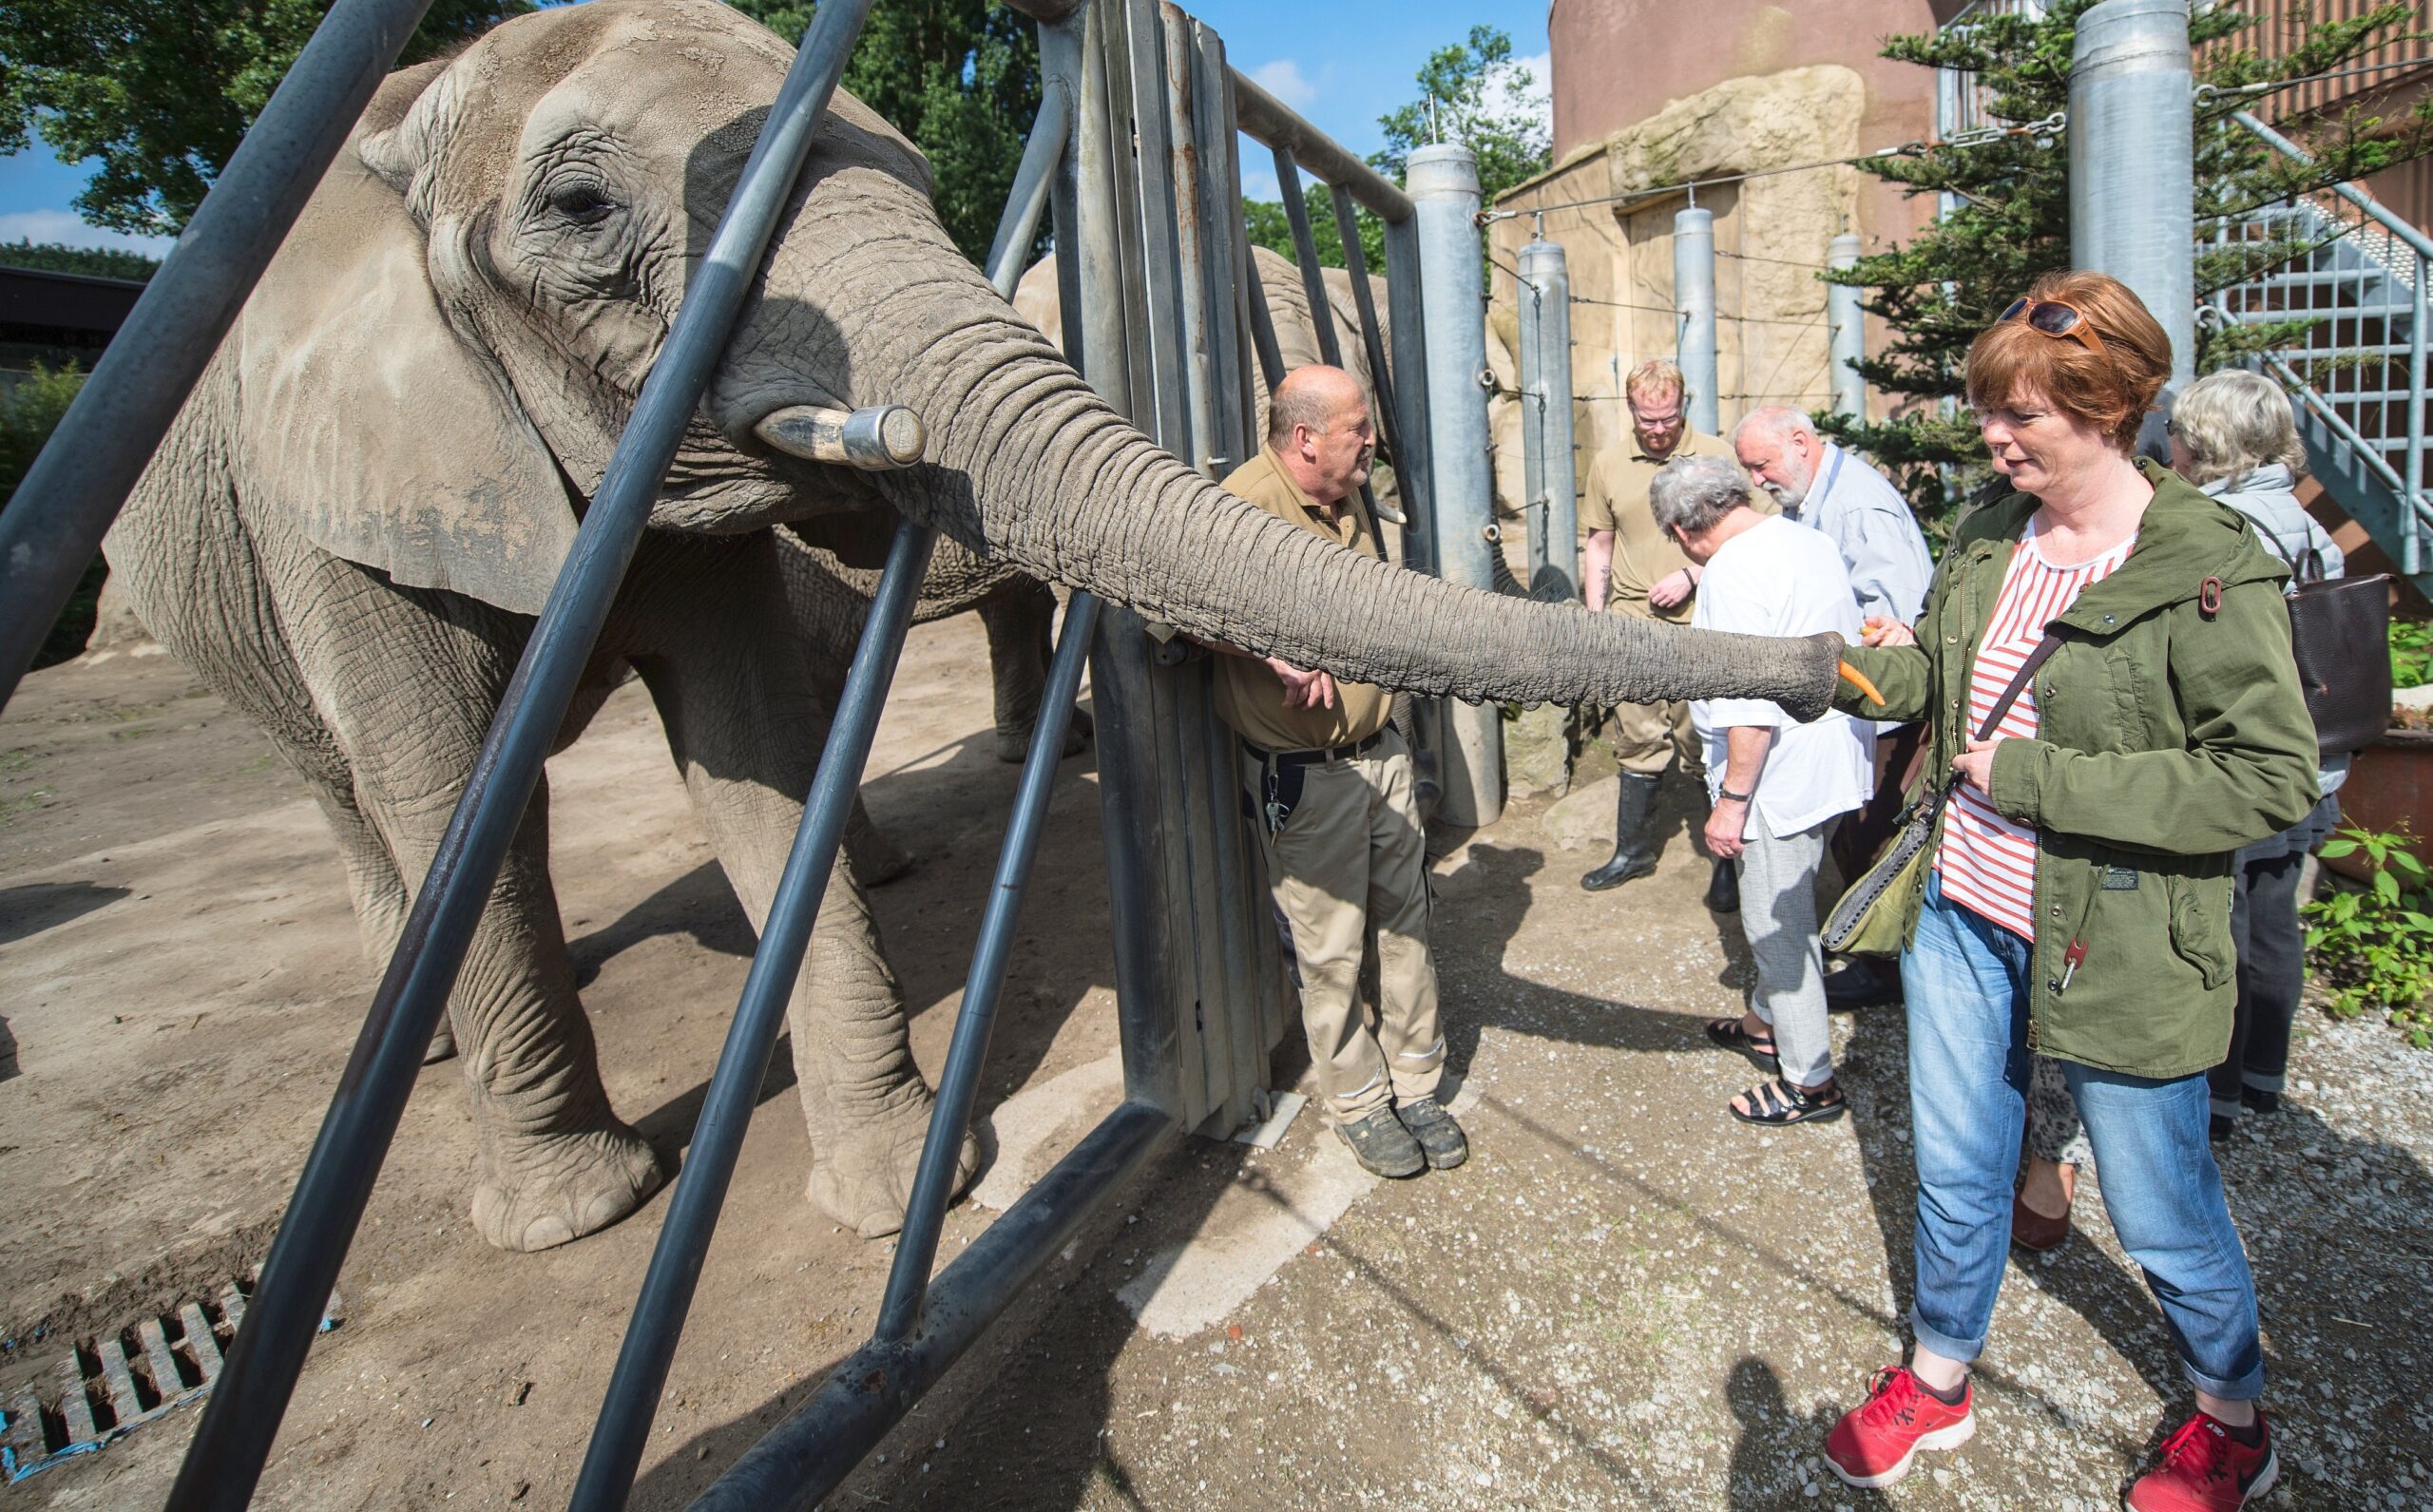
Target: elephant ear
394,441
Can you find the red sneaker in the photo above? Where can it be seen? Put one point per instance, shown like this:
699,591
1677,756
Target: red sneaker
2204,1469
1875,1444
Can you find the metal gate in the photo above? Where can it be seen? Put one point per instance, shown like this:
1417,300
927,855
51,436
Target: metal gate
1135,146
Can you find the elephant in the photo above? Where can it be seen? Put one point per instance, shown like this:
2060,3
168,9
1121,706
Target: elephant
353,523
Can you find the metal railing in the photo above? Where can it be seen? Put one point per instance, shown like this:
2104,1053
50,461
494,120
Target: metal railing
2357,370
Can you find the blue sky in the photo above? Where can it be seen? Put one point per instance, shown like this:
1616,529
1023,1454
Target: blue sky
1340,63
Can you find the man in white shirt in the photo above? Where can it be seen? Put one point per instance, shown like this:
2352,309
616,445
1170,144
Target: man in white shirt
1856,507
1778,785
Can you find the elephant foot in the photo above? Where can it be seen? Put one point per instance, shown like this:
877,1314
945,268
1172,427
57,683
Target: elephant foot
443,1044
1013,746
560,1187
877,859
863,1177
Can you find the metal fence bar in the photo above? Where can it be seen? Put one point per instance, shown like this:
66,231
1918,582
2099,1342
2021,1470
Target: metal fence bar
1414,468
64,504
1305,248
917,1247
1372,335
658,1321
225,1460
808,1455
1198,372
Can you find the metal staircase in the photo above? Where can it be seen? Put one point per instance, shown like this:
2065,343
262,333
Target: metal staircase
2358,374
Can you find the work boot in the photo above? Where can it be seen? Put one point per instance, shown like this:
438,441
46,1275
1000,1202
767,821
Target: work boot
1381,1144
1634,834
1723,888
1440,1138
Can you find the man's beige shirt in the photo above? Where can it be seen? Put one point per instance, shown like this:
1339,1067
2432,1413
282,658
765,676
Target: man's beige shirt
1616,501
1250,696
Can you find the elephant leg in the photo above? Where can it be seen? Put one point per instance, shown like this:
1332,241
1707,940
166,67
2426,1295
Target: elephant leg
410,679
747,729
1022,640
381,901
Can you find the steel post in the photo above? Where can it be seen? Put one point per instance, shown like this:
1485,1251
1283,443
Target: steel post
1305,255
64,502
1847,329
224,1459
1443,186
2412,529
2132,163
1034,178
1193,372
1694,298
1545,292
1404,296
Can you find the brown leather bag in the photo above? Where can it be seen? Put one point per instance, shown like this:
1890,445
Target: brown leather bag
2340,630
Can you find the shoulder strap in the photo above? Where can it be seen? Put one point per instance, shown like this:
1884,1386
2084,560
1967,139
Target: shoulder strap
2036,659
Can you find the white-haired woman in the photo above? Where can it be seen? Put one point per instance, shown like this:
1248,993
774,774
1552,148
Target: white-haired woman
2235,436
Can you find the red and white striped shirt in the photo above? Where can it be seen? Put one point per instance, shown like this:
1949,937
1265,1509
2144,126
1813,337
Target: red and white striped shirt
1988,863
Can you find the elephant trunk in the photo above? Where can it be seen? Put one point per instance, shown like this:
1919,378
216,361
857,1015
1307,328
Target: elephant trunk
1026,461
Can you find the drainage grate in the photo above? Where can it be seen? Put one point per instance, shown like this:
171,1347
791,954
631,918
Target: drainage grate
108,1385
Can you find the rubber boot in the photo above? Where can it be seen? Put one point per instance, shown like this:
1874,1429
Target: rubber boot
1723,888
1634,834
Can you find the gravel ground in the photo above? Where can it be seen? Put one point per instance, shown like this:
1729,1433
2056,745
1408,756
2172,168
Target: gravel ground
1628,1300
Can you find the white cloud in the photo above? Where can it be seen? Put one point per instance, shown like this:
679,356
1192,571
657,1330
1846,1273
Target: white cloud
69,227
1537,100
1284,80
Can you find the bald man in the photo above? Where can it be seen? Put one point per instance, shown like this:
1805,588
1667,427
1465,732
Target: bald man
1329,789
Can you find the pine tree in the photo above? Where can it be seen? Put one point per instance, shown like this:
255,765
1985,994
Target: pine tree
2011,221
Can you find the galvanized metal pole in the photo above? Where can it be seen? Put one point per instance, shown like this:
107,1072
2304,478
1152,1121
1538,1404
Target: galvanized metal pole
1845,324
1694,298
2131,162
2412,527
1545,329
1443,182
224,1459
64,504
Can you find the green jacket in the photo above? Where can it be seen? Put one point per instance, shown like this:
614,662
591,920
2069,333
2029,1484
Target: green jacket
2171,733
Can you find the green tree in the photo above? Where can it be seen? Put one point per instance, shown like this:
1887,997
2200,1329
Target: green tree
162,90
958,77
56,256
1472,93
2011,222
31,405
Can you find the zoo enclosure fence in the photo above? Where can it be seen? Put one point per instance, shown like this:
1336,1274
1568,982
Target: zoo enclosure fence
1136,148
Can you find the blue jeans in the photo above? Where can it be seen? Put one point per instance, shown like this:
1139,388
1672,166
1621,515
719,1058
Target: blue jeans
1967,980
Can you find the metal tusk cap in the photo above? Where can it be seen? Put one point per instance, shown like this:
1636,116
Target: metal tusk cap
877,439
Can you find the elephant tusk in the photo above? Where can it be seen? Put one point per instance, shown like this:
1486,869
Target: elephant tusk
878,439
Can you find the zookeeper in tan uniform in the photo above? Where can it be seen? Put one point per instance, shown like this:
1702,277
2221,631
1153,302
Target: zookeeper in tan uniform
1330,789
1633,568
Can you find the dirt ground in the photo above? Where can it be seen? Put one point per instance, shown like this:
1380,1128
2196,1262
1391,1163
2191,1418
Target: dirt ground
1626,1300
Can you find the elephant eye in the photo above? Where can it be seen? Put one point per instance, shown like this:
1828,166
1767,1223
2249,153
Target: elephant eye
582,203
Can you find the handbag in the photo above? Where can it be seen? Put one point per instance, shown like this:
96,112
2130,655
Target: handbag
1862,923
2338,629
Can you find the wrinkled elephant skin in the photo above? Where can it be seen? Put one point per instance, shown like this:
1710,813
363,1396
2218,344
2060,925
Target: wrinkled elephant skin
364,504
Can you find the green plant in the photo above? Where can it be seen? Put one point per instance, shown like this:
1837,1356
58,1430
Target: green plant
2411,654
2373,948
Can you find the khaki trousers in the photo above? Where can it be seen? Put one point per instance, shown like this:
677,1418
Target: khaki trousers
1650,737
1353,857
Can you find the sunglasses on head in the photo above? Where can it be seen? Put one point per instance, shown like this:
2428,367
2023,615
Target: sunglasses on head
2054,319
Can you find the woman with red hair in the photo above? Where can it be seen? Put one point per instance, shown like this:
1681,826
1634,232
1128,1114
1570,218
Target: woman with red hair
2105,658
